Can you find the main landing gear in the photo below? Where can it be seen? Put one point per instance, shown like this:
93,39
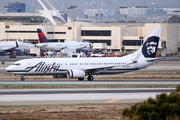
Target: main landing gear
90,78
22,78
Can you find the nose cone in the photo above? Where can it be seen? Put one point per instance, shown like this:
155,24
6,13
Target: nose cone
8,69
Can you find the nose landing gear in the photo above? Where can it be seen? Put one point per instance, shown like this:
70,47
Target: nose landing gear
22,78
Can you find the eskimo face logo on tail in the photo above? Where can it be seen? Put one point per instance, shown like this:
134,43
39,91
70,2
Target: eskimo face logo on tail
150,47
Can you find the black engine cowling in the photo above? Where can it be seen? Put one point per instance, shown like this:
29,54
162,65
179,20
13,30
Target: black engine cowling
75,74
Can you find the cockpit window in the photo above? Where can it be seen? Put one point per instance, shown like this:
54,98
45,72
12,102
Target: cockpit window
16,64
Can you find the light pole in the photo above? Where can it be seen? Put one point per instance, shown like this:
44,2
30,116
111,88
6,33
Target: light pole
141,21
73,7
7,26
177,28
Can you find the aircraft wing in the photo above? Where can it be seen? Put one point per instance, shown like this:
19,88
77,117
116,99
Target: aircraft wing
63,48
79,49
96,68
9,49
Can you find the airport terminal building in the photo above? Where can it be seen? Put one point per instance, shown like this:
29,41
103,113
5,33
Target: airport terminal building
118,36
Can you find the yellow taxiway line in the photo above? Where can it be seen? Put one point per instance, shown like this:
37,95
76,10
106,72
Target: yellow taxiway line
112,100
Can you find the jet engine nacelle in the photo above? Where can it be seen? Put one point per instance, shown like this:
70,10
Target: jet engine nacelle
75,74
59,76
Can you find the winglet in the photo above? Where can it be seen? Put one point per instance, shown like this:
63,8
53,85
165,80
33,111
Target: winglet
17,44
42,37
136,59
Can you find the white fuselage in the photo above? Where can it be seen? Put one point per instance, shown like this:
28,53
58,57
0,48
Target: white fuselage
57,66
69,45
25,46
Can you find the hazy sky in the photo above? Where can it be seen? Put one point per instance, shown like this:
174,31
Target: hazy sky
106,4
62,5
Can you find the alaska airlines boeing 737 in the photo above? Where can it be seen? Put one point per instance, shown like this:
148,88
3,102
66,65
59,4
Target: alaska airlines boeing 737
58,46
81,67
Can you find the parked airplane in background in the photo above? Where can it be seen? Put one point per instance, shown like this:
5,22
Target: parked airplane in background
81,67
58,46
10,47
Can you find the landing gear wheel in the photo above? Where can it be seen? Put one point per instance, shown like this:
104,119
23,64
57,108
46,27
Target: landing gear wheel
90,78
80,79
22,79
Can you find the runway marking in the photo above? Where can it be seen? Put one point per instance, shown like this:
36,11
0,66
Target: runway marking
112,100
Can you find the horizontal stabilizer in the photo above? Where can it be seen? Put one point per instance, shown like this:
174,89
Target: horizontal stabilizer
155,59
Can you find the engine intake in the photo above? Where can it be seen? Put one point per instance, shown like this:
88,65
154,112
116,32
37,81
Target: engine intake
75,74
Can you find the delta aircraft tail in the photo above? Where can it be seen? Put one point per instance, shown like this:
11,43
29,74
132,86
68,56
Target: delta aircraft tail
42,37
